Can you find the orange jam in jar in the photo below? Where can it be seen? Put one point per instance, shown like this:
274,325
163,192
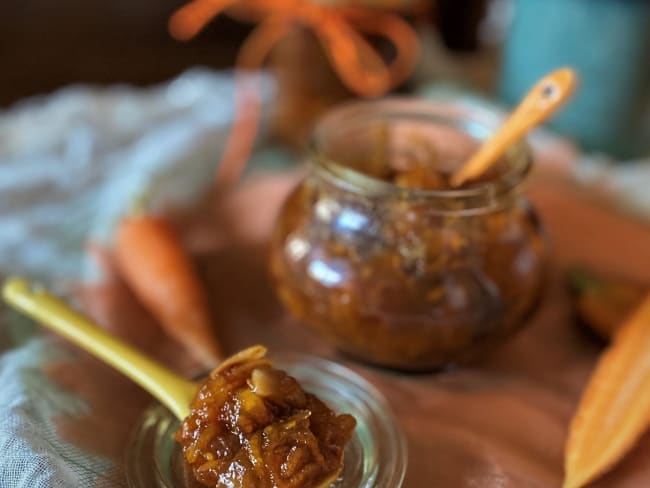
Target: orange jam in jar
378,253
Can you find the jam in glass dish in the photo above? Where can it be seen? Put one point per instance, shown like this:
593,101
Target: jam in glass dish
375,457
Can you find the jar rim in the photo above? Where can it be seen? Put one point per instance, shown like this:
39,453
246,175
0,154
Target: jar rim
518,156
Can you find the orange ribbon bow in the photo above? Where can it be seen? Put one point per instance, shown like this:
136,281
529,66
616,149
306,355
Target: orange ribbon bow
337,28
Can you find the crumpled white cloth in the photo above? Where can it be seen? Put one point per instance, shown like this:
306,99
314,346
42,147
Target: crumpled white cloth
71,162
33,455
70,165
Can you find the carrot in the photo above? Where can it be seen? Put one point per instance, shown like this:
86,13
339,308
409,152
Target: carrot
600,301
154,264
615,408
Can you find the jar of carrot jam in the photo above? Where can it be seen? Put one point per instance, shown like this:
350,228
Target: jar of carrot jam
376,251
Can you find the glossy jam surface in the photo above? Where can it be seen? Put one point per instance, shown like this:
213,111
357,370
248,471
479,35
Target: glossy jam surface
414,275
254,426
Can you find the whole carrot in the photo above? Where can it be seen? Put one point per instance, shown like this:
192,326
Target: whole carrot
156,267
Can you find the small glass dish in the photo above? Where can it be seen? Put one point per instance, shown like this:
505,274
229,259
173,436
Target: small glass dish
375,458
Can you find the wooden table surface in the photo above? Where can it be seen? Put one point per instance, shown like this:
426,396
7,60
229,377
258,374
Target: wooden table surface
45,45
497,424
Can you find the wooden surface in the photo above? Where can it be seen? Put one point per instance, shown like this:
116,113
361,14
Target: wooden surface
45,45
498,424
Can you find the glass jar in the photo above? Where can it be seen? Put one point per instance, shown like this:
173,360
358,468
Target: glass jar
407,278
375,458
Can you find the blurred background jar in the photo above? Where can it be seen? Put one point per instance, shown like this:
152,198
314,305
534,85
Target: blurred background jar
402,277
608,42
307,84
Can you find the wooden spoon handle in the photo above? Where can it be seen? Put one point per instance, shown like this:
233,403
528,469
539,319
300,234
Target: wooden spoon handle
174,391
549,94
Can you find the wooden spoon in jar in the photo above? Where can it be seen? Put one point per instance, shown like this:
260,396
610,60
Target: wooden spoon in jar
549,94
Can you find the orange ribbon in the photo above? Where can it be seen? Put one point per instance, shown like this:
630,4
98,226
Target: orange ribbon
338,30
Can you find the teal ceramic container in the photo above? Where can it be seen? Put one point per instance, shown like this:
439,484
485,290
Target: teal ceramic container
608,42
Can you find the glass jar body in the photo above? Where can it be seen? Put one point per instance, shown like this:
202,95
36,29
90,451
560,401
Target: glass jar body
409,283
395,285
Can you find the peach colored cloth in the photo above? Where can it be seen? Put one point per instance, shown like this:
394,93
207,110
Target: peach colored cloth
498,424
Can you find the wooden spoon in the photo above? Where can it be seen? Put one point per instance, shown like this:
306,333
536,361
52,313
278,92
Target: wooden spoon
549,94
172,390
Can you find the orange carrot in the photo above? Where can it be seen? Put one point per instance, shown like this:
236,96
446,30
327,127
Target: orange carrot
615,408
154,264
601,301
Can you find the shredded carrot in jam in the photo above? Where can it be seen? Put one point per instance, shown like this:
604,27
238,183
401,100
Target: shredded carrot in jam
339,30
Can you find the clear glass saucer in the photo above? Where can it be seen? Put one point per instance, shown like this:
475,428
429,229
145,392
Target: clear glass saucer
375,458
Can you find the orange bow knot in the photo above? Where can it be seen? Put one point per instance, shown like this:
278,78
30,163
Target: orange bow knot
338,29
